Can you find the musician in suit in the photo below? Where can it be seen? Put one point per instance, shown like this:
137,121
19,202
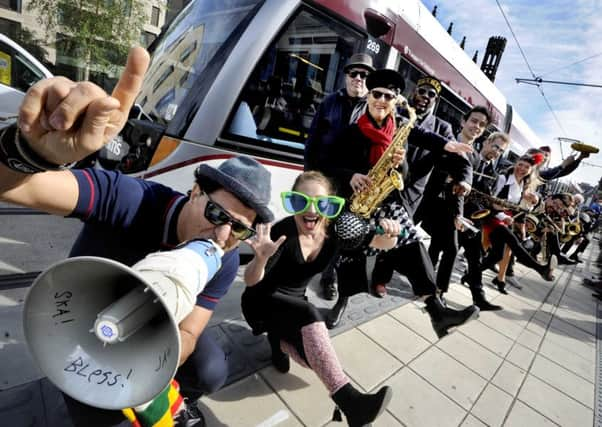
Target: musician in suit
420,160
443,204
484,179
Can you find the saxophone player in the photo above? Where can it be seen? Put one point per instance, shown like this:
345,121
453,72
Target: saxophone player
484,180
359,148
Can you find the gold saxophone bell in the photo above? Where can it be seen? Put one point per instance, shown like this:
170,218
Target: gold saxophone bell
480,214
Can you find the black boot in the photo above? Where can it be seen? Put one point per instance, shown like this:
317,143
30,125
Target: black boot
501,285
359,408
478,297
444,318
280,360
336,312
329,289
565,260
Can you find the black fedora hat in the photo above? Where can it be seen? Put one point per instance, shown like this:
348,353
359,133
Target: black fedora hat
244,177
385,78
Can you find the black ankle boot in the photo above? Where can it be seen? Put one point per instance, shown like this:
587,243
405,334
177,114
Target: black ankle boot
444,318
359,408
478,297
336,312
501,285
280,360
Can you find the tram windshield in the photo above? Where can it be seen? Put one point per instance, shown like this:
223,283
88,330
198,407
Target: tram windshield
196,39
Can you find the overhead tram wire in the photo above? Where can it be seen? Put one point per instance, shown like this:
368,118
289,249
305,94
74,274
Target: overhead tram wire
570,65
532,72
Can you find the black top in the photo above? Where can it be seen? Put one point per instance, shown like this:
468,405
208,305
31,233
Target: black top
351,153
287,272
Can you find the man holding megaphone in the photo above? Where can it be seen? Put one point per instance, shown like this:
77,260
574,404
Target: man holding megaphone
125,219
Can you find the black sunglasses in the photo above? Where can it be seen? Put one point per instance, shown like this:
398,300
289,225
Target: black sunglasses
354,74
377,94
430,93
217,215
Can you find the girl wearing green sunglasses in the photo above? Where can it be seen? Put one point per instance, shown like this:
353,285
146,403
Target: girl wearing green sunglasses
298,248
295,202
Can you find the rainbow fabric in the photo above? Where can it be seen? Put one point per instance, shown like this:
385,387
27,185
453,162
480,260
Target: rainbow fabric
161,411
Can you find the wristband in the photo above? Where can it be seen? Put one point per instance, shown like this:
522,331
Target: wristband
16,154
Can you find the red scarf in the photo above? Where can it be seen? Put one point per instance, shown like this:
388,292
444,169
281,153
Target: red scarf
381,137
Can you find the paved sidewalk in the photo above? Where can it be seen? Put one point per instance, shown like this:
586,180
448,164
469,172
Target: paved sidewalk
531,364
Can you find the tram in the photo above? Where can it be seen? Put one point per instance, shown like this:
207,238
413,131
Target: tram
246,76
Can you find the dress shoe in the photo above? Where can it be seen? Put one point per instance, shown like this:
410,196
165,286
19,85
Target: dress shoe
575,257
379,290
501,285
329,289
565,260
336,313
281,361
478,297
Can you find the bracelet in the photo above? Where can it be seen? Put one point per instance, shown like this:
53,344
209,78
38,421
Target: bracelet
16,154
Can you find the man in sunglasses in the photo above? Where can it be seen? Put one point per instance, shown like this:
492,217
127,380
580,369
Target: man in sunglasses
484,179
126,218
421,161
334,115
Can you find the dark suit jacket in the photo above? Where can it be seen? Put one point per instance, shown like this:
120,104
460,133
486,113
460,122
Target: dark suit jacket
480,183
421,162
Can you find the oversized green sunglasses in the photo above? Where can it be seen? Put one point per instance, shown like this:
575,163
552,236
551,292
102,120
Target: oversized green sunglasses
295,202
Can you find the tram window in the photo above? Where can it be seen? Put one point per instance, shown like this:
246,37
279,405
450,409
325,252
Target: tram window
410,74
200,36
281,97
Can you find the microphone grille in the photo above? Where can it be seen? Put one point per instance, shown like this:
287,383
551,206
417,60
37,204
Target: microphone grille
351,230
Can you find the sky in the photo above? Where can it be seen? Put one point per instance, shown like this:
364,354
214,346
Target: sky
554,35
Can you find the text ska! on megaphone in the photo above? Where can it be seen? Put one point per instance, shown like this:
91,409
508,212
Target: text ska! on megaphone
107,334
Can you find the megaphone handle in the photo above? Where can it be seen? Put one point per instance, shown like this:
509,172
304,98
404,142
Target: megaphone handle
126,315
379,230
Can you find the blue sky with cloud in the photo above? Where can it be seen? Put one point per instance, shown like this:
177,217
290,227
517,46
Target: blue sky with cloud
553,35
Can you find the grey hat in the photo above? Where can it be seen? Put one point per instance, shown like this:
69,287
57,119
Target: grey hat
244,177
359,60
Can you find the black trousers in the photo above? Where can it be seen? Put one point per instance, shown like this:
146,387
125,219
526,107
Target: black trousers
281,316
502,236
473,251
410,260
205,371
444,243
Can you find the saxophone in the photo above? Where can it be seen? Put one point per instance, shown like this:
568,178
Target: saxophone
383,175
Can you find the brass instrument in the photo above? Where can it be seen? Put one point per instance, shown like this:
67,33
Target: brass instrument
584,148
570,230
383,175
492,200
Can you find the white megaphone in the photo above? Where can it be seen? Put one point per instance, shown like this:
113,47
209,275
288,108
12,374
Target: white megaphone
107,334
